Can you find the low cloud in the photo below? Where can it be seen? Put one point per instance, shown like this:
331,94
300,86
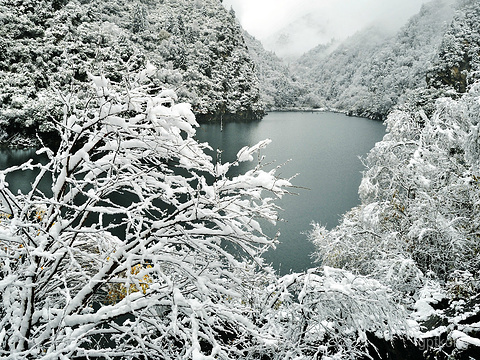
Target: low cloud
338,18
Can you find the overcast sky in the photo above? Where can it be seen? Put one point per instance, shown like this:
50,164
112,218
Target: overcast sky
262,18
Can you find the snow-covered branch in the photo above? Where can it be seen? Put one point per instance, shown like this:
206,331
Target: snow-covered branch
137,249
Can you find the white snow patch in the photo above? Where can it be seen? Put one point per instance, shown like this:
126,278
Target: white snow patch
423,310
463,340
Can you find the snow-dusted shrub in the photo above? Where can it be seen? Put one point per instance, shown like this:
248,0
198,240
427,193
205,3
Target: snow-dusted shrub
331,313
126,257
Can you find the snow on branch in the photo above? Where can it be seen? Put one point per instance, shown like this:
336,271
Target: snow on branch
137,251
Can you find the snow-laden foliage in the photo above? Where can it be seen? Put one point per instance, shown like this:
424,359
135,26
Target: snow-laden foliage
143,248
419,220
420,197
330,313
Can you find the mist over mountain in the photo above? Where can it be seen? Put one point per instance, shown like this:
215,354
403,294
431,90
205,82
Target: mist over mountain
367,74
370,72
300,36
292,27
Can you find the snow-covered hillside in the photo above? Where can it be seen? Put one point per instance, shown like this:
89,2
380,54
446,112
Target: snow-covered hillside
279,88
369,73
49,45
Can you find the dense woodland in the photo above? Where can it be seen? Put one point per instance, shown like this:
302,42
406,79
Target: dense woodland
147,248
50,45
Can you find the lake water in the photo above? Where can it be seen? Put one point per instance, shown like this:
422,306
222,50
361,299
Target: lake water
323,148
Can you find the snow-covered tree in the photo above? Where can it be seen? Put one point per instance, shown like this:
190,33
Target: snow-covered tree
143,248
418,223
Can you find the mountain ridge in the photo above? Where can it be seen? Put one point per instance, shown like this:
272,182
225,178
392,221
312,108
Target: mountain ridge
368,73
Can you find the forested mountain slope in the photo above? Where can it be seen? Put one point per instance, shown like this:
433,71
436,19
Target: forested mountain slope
301,35
48,45
368,73
279,89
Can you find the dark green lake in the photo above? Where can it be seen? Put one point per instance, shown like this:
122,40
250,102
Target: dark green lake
324,150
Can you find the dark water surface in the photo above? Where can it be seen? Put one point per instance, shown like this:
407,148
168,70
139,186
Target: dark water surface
324,149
